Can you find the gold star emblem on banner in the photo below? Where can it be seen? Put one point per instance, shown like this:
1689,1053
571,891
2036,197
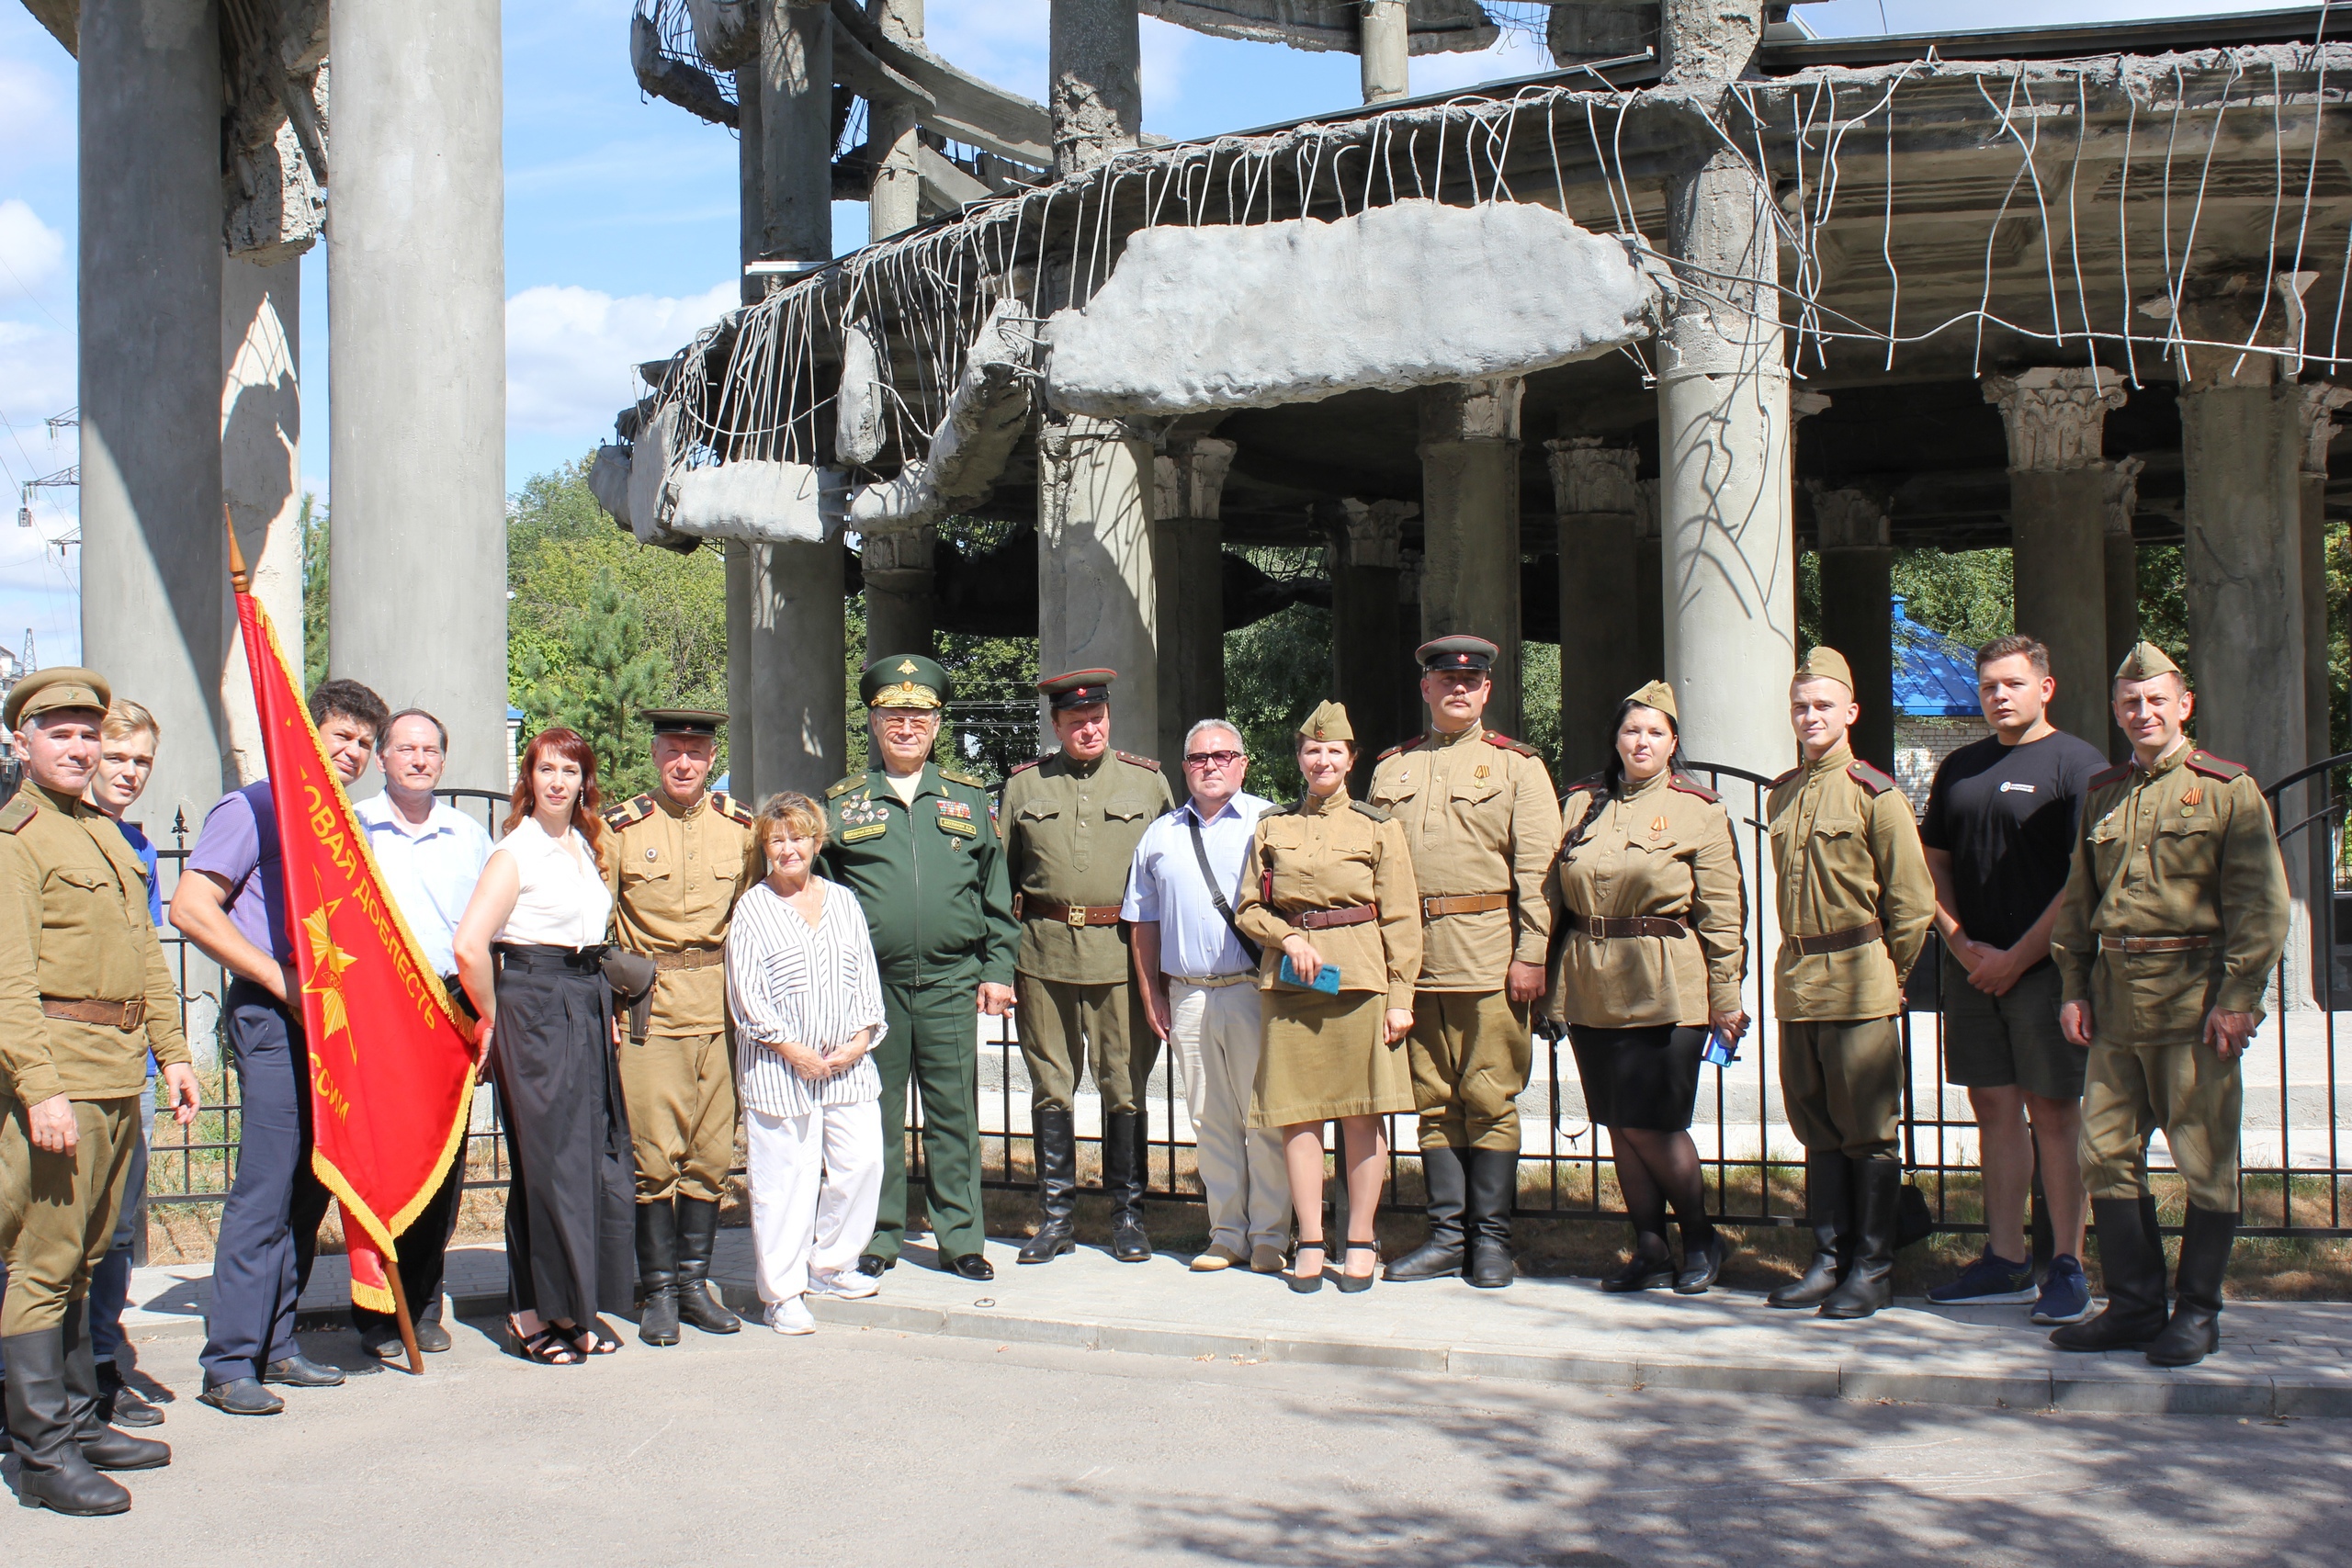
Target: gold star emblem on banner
327,963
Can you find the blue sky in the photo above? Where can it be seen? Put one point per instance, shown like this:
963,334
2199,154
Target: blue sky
621,217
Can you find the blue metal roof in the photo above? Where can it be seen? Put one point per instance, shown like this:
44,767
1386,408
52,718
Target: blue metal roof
1935,676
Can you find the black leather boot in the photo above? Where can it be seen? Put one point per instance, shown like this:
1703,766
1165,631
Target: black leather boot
120,1404
1056,1142
1876,1197
657,1273
53,1471
2194,1331
1828,1210
1445,1172
2131,1258
1494,1186
697,1234
1125,1155
102,1445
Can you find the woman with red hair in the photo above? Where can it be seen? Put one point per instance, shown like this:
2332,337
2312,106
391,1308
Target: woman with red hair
528,951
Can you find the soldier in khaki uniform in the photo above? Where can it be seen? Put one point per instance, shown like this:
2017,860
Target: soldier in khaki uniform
1650,923
84,996
1855,904
1070,821
1482,818
676,866
2173,920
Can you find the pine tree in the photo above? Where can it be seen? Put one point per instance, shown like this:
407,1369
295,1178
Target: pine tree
607,679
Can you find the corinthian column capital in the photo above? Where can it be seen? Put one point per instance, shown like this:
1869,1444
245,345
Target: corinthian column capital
2055,417
1589,476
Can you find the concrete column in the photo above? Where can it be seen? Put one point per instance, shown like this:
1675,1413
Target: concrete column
899,607
1600,590
796,133
1383,47
2122,563
1469,451
416,307
2058,527
1095,65
154,559
1098,596
1188,569
1372,670
743,720
261,475
1857,545
896,205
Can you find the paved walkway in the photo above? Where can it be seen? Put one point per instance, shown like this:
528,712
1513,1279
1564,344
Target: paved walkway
2277,1358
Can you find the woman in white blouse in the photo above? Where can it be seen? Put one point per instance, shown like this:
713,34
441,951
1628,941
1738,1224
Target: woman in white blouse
807,1007
528,949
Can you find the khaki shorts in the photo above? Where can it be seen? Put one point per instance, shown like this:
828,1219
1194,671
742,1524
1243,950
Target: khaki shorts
2009,1041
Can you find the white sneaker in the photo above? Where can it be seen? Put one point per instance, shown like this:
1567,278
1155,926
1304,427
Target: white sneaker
847,1283
791,1316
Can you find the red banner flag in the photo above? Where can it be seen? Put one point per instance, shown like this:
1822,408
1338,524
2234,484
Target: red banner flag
392,1065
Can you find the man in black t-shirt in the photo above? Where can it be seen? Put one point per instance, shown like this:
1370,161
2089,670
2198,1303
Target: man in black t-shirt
1999,832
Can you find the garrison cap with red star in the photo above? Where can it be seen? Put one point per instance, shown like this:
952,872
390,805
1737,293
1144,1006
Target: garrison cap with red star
1077,688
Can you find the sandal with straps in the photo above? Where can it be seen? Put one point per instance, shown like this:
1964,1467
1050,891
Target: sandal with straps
1305,1285
1356,1284
549,1348
592,1340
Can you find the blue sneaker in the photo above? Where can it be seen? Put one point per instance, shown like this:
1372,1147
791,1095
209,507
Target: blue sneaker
1989,1280
2065,1292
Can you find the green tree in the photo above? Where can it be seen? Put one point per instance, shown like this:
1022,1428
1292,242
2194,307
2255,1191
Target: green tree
605,680
313,522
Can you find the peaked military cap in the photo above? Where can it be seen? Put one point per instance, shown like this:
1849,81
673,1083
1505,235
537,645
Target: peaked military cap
1659,695
1077,688
1461,652
60,686
2145,662
684,721
1328,722
904,680
1825,663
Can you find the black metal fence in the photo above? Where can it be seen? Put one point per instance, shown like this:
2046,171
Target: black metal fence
2293,1177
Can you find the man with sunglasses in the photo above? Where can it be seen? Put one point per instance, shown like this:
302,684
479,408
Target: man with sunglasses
1195,974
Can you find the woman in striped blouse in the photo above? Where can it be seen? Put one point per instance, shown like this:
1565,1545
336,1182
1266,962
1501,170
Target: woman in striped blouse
807,1007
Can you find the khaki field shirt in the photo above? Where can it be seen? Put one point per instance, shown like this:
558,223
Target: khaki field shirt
1327,854
1846,850
676,872
1070,831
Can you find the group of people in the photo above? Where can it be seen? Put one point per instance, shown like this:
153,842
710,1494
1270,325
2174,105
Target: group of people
643,974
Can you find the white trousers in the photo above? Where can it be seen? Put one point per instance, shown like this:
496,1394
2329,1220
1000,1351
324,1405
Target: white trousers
815,1181
1217,1033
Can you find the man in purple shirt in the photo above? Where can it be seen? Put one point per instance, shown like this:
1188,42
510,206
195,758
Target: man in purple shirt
231,903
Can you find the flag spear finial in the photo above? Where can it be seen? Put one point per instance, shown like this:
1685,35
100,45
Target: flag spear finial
237,578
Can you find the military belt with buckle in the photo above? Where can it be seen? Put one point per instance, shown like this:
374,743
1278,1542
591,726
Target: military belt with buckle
688,958
1441,905
1323,919
1072,914
1628,925
125,1016
2153,943
1839,942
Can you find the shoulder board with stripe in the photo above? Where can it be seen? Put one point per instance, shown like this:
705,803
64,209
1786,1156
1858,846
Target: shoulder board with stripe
966,780
1401,748
727,805
835,791
1031,764
1873,782
1692,786
1369,809
1505,742
1591,783
629,811
2214,767
1280,808
2106,777
1138,761
21,809
1784,778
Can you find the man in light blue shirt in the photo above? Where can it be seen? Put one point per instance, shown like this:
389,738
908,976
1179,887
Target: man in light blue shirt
431,854
1200,993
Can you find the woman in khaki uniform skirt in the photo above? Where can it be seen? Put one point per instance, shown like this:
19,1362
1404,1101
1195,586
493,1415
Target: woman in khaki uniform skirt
1647,895
1330,882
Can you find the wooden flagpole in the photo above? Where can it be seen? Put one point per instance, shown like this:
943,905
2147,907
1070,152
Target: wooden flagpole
238,580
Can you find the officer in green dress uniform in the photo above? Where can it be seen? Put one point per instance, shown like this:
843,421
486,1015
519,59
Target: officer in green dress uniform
2172,922
1071,819
85,997
915,842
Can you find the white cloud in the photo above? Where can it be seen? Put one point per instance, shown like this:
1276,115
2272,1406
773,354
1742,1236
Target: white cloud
1165,48
30,251
1515,54
572,352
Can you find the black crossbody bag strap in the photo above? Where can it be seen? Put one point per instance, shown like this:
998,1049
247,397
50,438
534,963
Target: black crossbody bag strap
1217,894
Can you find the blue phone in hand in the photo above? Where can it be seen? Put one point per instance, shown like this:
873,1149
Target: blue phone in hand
1719,1050
1326,979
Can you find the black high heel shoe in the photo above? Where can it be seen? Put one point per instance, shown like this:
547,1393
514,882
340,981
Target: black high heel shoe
1308,1284
1356,1284
1642,1272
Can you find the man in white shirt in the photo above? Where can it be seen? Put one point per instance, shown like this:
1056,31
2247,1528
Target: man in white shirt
1199,994
431,854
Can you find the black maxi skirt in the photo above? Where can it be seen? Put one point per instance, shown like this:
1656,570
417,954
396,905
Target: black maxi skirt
572,1193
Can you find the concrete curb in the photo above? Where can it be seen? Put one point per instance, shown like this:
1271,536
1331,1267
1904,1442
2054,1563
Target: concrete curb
2196,1392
